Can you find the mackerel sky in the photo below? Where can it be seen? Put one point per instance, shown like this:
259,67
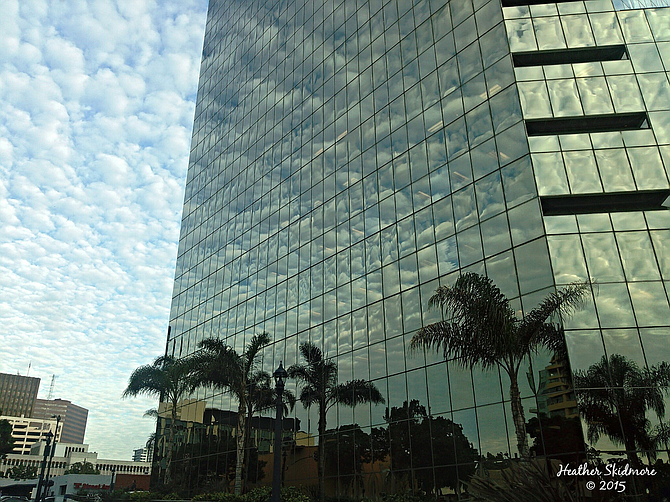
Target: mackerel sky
96,111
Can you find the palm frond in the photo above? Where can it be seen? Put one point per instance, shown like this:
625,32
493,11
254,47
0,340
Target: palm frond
151,413
355,392
217,366
311,353
253,349
309,396
165,376
456,342
564,302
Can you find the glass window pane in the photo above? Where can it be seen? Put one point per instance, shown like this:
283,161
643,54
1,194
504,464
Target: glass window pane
659,20
489,196
613,305
550,173
495,235
655,90
567,259
594,94
549,33
625,93
645,58
650,302
602,257
634,25
521,35
564,97
447,255
637,255
614,170
647,168
469,246
534,99
661,239
582,171
535,273
577,31
498,269
606,28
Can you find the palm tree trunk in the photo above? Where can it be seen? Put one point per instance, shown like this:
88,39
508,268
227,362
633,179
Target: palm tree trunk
518,415
247,442
170,446
321,466
239,463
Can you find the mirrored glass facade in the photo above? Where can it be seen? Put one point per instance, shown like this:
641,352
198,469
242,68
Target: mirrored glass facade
351,156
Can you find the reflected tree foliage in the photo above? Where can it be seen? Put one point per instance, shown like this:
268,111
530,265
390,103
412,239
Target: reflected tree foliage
320,387
220,367
557,436
347,448
412,431
482,329
208,461
614,395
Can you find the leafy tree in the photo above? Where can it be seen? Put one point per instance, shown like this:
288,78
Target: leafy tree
6,439
220,367
319,378
347,448
168,379
82,468
412,431
557,436
614,395
22,472
482,329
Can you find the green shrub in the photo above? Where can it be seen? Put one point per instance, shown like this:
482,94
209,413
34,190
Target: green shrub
172,496
260,494
218,497
142,496
293,494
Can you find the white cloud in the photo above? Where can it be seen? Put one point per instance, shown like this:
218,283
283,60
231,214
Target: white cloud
96,104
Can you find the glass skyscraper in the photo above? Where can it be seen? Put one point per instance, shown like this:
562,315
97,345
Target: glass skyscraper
351,156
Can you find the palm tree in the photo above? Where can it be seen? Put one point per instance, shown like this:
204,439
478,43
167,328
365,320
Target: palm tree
220,367
320,387
483,330
167,379
614,395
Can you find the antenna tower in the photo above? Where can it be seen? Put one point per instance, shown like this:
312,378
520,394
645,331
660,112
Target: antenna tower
51,387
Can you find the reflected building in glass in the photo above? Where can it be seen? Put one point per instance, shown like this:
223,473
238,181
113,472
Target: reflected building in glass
349,157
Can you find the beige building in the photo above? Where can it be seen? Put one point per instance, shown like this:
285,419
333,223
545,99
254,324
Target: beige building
27,431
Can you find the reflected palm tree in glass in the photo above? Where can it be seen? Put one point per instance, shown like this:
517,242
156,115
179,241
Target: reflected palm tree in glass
614,395
319,378
482,329
220,367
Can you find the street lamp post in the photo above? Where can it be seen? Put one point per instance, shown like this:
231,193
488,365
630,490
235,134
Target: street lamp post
280,375
40,481
51,458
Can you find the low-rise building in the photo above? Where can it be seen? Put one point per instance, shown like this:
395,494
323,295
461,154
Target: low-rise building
67,454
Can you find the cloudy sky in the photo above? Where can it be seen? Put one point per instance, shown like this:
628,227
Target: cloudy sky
96,110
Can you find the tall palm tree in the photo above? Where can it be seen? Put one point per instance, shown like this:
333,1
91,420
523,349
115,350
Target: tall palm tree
167,379
219,366
482,329
614,395
320,387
